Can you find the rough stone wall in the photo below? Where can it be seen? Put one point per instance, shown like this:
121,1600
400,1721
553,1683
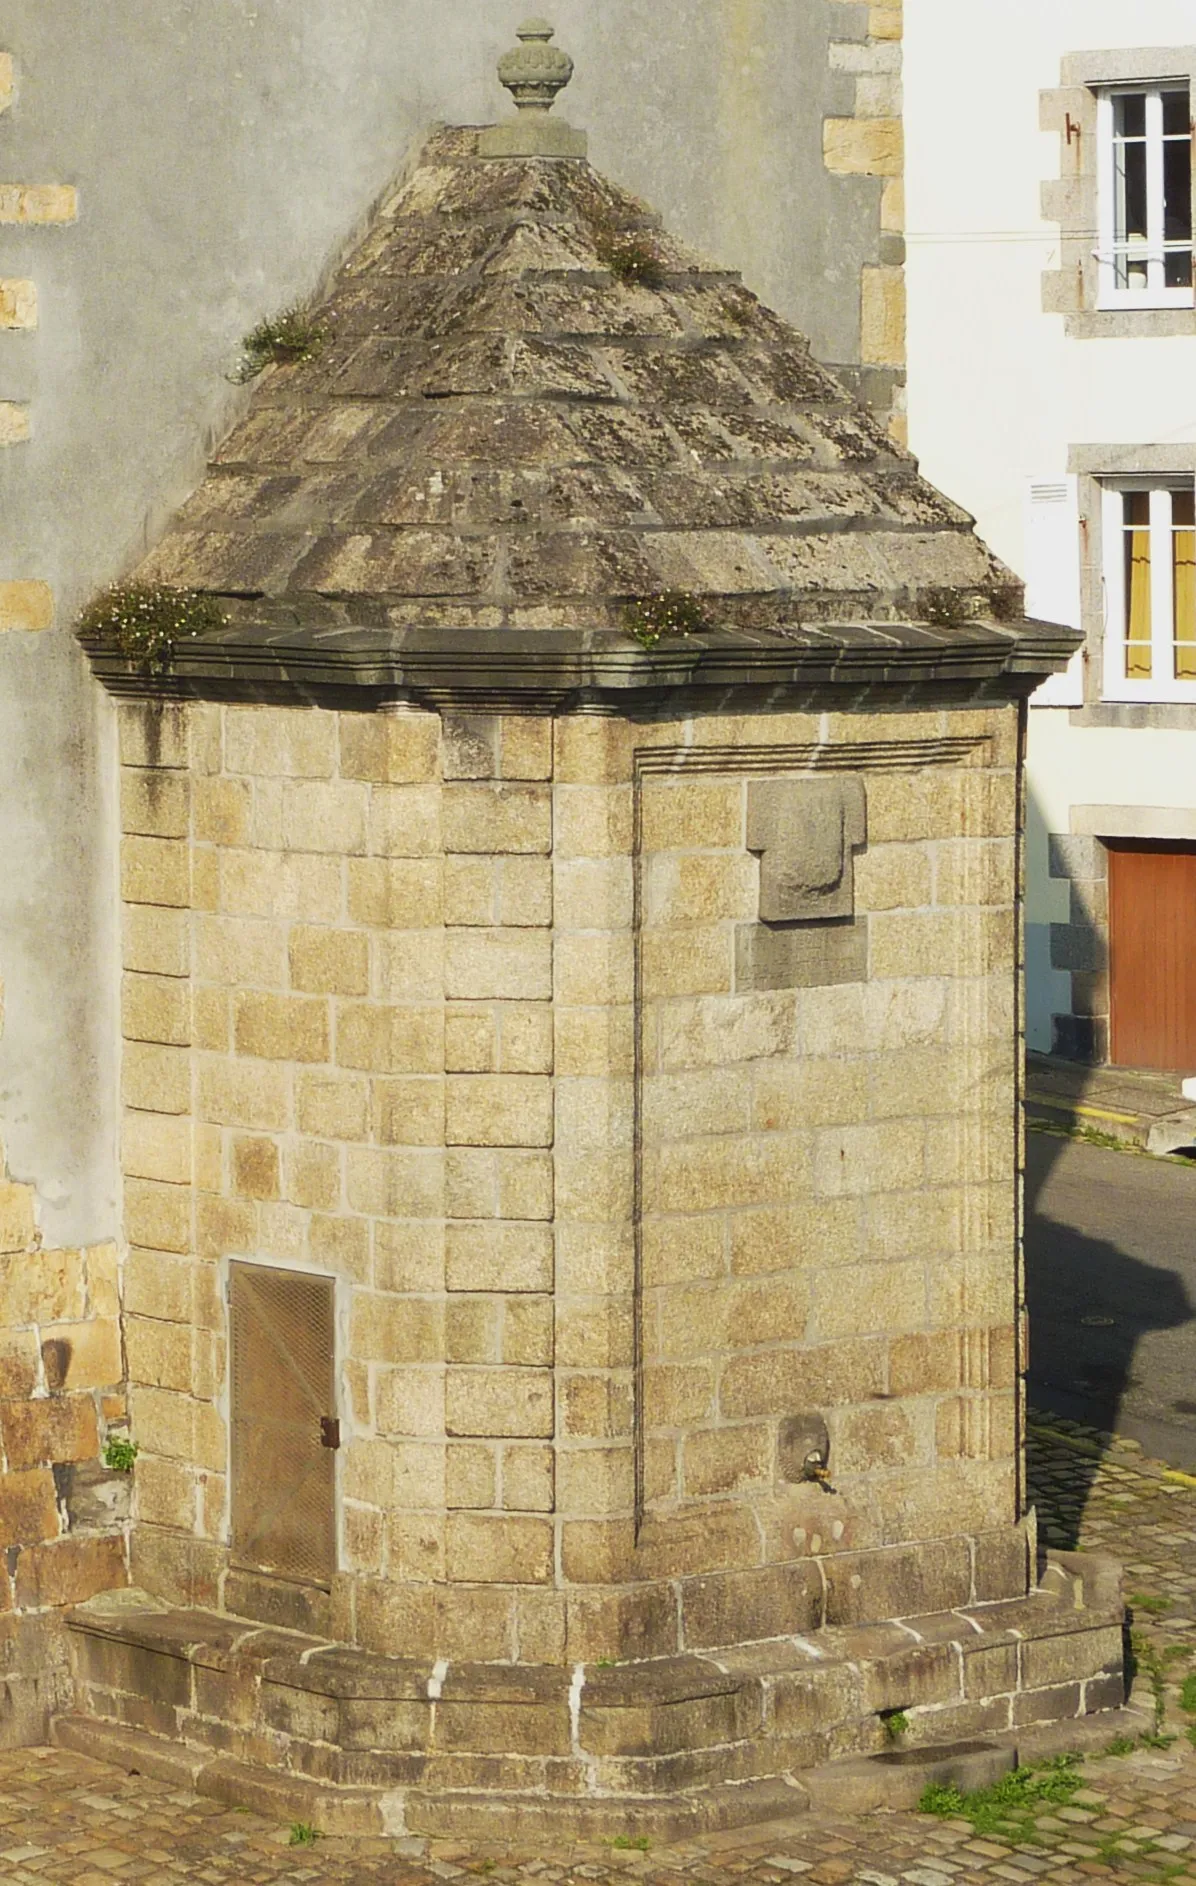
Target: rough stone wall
380,1020
63,1514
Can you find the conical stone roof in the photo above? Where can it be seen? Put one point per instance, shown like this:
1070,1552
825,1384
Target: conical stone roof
534,407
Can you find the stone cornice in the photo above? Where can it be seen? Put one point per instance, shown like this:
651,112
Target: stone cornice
547,671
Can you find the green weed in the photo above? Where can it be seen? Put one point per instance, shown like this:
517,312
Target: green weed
1009,1806
147,621
631,255
631,1843
120,1453
303,1834
1147,1601
288,339
649,619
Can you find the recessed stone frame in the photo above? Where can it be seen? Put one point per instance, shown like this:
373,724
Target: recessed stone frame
1070,200
1096,465
794,762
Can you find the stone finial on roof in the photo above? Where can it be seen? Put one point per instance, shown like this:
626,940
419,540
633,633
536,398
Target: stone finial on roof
533,74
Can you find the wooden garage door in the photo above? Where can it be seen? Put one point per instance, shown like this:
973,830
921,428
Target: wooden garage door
282,1328
1152,954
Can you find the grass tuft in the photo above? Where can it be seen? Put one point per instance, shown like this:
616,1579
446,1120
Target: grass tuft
303,1834
1009,1806
120,1453
631,255
288,339
1147,1601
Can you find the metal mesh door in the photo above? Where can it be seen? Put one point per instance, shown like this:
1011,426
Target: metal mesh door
283,1423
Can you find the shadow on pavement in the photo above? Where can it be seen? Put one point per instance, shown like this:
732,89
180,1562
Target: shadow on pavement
1090,1303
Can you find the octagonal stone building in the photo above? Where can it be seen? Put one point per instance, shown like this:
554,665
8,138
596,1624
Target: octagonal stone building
572,1043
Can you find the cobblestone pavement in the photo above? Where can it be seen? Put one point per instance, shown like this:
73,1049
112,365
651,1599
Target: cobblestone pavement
67,1821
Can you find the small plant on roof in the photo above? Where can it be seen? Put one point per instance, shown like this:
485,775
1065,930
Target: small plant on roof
649,619
944,607
120,1453
1007,601
631,255
147,621
288,338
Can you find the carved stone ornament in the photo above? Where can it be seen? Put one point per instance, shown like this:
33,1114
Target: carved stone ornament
533,74
806,831
536,71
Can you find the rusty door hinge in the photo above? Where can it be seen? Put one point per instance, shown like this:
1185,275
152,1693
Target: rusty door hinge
330,1431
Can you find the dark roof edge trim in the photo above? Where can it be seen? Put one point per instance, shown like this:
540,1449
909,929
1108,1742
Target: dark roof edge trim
545,671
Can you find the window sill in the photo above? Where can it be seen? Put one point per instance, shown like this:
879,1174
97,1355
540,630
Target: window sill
1151,693
1128,323
1145,304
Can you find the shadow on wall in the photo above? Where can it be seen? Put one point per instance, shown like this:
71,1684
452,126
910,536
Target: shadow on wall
1090,1304
1048,989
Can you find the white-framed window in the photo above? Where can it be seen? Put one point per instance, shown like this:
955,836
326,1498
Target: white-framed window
1144,135
1148,530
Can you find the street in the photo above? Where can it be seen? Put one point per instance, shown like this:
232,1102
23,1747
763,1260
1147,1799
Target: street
1111,1283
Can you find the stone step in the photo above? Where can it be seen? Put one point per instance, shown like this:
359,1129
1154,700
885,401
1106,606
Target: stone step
282,1797
461,1814
390,1737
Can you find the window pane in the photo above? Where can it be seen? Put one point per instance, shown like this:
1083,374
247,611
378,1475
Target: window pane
1129,115
1137,585
1129,215
1183,554
1177,191
1177,111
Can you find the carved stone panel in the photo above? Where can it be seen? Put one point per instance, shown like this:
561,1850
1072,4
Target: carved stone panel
805,831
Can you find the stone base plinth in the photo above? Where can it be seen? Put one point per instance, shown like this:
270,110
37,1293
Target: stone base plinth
667,1745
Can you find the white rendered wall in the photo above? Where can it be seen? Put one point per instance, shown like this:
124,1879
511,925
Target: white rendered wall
997,391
